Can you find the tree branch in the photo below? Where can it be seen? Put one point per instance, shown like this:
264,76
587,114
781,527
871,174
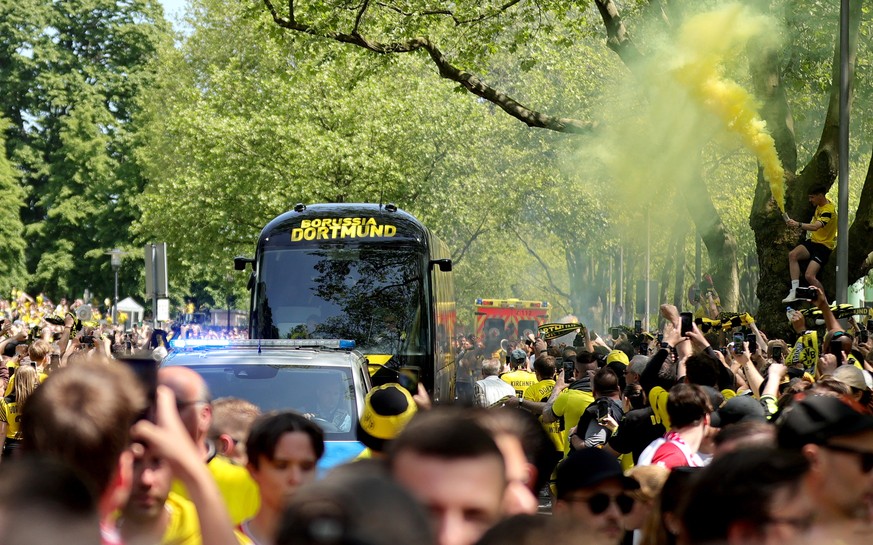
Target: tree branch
542,263
473,237
617,37
450,13
447,70
364,5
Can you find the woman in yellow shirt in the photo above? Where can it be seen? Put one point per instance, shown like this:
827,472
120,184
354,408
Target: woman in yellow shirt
26,381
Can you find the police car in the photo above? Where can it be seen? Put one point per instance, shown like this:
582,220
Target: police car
326,380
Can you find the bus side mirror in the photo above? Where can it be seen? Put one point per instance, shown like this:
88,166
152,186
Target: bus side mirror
240,262
445,265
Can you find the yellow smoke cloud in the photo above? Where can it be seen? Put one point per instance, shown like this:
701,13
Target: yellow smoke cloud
705,41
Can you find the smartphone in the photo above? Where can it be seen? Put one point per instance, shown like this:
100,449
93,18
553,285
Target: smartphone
777,354
737,343
638,326
86,340
864,336
408,377
146,370
644,349
615,332
807,294
752,339
569,369
602,408
687,319
837,350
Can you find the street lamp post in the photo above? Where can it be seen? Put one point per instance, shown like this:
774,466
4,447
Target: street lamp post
115,260
229,279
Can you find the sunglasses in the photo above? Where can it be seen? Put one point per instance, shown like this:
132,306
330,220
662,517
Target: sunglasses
865,456
599,503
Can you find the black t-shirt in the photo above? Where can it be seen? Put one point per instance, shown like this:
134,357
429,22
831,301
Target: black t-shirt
636,430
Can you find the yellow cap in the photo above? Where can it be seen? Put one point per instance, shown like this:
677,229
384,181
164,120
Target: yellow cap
387,409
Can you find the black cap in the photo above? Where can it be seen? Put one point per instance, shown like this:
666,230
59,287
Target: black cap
818,419
740,408
587,468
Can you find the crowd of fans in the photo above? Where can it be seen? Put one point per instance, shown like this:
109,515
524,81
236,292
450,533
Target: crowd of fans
687,437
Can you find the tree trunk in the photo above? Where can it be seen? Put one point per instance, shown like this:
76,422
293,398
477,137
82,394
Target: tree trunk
772,238
720,244
861,232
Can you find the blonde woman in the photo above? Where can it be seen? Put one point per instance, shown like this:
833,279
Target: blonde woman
26,381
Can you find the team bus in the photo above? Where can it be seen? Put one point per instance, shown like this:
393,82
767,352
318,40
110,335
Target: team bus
370,273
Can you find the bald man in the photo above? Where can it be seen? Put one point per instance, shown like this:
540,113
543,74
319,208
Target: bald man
194,403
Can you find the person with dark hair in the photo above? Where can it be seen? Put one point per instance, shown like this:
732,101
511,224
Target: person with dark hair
45,501
283,449
817,249
518,377
592,489
569,401
527,455
590,430
455,469
689,408
354,508
744,434
760,495
663,524
837,440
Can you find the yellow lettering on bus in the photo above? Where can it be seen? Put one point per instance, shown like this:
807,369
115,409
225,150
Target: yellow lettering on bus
333,228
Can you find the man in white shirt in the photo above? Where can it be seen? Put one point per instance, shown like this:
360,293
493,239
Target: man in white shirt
491,390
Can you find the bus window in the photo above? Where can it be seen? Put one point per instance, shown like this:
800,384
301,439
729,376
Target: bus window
369,295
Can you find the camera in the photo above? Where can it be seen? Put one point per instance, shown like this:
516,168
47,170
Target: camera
86,339
807,294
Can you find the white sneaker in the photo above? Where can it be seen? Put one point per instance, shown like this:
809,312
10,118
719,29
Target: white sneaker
791,297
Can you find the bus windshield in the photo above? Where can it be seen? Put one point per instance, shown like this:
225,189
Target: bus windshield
370,294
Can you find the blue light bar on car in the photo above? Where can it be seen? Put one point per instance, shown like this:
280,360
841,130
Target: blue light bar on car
206,344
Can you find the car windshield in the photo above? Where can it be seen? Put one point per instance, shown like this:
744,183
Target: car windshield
326,394
372,295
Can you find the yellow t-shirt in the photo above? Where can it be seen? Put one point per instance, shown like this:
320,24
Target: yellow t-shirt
520,380
238,489
183,527
827,234
10,386
568,407
540,393
9,415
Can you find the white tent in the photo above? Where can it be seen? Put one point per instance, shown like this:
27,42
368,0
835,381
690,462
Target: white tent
133,309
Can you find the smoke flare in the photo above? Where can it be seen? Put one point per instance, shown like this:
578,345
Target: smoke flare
705,40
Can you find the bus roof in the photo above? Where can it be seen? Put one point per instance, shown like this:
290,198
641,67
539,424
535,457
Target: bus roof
346,222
